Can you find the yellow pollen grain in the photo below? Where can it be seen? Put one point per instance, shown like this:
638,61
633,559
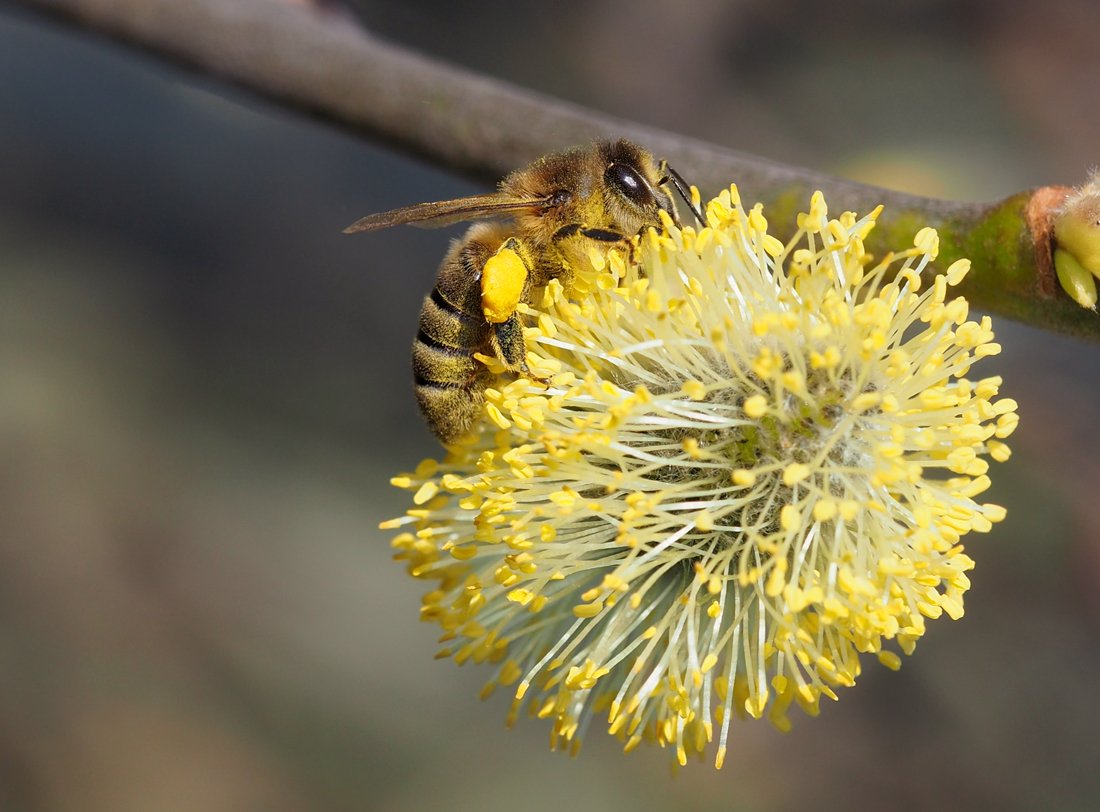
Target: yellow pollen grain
793,381
743,477
788,517
773,587
773,246
794,473
927,241
889,659
696,390
755,406
865,401
957,271
497,416
425,493
616,583
764,324
824,510
588,610
464,552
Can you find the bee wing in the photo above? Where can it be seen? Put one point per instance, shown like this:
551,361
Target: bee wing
445,212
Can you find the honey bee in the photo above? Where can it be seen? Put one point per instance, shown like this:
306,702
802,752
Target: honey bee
556,210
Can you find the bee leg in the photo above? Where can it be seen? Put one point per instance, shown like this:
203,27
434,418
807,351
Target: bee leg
572,241
504,281
512,349
601,234
607,236
510,345
580,230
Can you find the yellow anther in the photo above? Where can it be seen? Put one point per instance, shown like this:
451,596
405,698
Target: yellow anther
755,407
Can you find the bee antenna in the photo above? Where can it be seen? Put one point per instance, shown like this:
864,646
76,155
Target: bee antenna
685,192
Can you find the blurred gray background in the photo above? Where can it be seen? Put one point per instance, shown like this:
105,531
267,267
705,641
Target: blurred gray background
206,389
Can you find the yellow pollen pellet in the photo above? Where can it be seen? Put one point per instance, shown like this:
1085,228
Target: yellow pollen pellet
503,277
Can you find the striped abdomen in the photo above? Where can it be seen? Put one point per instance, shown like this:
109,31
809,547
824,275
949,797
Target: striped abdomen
450,382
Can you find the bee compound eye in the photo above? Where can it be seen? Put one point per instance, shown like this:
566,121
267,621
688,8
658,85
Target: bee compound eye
629,183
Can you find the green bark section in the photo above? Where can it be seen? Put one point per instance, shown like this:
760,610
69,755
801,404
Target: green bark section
1004,278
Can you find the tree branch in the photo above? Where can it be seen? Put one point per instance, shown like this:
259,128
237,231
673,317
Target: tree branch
324,65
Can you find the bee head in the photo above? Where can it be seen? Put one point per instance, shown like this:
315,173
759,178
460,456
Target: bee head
633,188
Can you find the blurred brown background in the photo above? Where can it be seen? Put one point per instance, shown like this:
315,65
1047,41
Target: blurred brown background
205,390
